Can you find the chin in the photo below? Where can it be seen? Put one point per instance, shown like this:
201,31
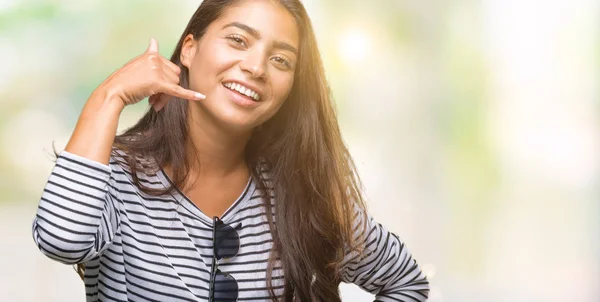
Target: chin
237,123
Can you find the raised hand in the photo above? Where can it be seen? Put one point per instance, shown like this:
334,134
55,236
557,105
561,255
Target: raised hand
149,75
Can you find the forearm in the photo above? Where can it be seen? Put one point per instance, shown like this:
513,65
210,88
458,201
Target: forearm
96,128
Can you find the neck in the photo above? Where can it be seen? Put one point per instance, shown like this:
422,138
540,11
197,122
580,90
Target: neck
219,151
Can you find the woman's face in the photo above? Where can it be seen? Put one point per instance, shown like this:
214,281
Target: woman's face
244,63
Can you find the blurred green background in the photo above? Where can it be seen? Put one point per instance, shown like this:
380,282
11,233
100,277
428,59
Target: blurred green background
474,124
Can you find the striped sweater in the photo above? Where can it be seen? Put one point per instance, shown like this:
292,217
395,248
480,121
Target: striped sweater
137,247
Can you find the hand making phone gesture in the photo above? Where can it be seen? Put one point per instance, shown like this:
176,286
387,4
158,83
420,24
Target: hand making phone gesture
147,75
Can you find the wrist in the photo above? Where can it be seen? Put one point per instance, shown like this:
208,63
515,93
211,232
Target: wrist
110,97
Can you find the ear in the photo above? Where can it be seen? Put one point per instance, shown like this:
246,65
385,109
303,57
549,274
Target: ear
188,50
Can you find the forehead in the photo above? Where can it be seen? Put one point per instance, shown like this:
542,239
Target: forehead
271,19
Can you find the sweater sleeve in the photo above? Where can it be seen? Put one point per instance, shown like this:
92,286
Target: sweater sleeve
77,216
386,267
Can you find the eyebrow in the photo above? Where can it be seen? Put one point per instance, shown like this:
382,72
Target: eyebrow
256,34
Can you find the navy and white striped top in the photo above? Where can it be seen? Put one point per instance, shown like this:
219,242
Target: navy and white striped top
137,247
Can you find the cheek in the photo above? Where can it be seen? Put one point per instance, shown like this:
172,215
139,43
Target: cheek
207,65
282,87
198,70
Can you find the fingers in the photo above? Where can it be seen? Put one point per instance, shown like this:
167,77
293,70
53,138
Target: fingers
161,101
168,85
171,66
180,92
170,75
168,64
168,91
153,47
153,98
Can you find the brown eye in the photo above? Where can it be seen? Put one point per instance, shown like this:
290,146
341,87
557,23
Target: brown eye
282,61
237,40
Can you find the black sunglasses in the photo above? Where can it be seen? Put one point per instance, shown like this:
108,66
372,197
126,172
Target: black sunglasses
226,244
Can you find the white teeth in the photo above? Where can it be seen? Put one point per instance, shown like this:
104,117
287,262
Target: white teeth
243,90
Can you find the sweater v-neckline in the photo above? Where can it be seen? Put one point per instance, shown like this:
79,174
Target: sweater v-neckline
191,207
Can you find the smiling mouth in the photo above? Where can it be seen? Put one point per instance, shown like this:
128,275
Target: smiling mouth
244,91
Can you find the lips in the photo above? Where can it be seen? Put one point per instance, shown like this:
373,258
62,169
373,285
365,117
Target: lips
244,88
242,91
241,100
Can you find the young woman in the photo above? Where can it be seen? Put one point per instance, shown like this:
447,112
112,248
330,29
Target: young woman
245,192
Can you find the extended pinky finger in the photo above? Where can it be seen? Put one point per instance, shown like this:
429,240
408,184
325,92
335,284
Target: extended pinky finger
180,92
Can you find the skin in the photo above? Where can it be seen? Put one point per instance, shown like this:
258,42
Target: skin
148,74
219,128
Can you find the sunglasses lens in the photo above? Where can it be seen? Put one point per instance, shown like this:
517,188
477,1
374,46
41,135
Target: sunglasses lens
226,288
227,241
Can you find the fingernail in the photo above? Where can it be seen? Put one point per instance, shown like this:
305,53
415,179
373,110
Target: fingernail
199,95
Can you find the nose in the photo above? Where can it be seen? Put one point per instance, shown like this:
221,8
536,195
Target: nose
254,64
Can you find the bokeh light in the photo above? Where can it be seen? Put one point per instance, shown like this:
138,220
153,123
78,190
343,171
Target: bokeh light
354,46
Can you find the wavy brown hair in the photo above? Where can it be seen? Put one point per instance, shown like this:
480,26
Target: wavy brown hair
312,174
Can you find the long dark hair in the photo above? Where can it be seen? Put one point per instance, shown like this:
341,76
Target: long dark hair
314,179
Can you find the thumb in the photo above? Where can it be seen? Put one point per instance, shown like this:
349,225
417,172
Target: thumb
153,45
